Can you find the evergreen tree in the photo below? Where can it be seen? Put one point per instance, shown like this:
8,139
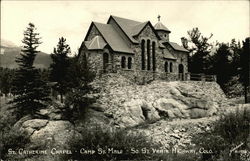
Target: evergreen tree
236,49
59,66
31,92
223,65
5,80
245,66
81,76
199,51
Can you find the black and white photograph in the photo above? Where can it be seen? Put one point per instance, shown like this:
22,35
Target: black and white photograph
124,80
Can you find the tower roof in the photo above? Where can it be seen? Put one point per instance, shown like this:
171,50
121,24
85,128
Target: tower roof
159,26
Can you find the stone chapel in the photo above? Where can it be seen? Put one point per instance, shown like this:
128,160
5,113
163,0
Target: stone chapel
137,50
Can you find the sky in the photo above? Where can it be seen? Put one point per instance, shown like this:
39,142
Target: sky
71,19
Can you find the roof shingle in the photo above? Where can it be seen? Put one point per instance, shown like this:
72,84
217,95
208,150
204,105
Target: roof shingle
177,47
130,27
168,55
112,38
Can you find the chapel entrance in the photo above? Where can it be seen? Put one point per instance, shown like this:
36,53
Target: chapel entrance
181,72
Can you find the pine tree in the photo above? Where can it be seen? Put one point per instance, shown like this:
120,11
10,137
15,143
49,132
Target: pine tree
199,52
5,81
31,92
223,65
59,66
245,67
81,75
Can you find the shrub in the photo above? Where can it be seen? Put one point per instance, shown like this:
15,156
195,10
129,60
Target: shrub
234,127
229,131
10,137
109,142
133,146
76,103
210,141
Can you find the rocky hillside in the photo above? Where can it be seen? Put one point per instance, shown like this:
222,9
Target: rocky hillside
126,104
169,113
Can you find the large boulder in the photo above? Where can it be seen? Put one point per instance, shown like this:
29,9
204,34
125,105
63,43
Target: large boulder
49,135
53,112
171,107
130,114
202,108
127,104
150,113
57,131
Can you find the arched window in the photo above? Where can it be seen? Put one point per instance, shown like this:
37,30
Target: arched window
123,62
153,55
166,67
171,67
105,61
143,54
129,62
148,54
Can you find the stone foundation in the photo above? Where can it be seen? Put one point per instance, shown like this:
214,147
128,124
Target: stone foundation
143,76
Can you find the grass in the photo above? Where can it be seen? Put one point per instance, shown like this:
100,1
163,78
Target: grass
231,130
10,137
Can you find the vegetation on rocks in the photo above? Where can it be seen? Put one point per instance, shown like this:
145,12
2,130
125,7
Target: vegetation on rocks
10,137
230,131
59,67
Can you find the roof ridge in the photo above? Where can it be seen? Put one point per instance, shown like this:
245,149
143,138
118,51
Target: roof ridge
99,23
141,23
124,18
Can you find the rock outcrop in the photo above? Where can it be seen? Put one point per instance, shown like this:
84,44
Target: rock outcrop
129,104
52,136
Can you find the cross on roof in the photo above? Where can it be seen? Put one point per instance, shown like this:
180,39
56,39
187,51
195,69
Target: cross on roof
159,17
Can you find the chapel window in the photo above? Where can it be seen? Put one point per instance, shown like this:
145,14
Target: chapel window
123,62
153,55
171,67
143,54
148,54
166,67
129,62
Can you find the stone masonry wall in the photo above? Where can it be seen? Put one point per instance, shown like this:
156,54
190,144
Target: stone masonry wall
182,58
135,73
148,34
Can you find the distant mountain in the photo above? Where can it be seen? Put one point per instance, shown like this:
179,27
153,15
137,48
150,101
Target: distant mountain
9,52
7,43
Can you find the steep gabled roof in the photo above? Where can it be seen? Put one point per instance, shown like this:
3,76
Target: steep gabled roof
131,28
111,37
96,43
177,47
168,55
137,28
